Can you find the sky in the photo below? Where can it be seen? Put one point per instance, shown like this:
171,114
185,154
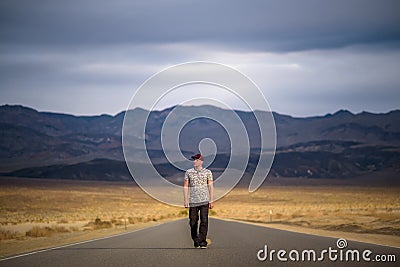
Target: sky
307,57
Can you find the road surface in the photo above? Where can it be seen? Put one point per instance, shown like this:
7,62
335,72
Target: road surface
233,244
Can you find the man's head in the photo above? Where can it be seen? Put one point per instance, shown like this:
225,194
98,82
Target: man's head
197,160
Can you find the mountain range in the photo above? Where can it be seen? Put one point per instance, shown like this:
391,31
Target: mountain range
341,145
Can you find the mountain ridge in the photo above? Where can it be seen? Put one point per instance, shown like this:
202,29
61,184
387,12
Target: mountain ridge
171,107
335,145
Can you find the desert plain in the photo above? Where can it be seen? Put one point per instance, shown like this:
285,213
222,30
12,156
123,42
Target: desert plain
40,213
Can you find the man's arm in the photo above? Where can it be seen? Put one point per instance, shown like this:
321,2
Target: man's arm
186,193
211,191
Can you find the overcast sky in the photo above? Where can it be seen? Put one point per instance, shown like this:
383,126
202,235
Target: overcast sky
307,57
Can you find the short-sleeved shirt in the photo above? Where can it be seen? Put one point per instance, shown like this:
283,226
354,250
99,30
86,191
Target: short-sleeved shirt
199,194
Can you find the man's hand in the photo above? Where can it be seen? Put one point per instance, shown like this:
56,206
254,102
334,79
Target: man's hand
211,191
186,204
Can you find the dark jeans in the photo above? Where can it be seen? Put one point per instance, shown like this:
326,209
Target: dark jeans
199,237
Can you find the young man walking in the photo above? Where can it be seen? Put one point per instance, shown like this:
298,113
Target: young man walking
200,182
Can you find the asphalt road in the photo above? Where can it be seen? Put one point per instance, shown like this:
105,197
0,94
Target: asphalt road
233,244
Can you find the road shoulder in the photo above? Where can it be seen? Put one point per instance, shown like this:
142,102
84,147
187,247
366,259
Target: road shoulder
377,239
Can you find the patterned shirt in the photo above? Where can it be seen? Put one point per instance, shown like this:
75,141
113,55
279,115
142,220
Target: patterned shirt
199,194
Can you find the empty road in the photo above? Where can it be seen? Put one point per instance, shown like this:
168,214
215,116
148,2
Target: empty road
233,244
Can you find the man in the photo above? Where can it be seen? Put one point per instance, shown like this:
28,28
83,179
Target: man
200,181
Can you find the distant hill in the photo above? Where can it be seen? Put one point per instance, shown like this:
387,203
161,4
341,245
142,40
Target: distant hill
339,145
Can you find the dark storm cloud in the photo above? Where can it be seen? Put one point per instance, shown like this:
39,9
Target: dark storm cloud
308,57
245,25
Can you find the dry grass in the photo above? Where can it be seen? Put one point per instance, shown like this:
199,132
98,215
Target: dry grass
42,213
7,234
99,224
37,231
353,209
66,202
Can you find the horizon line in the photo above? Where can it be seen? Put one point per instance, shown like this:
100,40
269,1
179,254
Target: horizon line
341,110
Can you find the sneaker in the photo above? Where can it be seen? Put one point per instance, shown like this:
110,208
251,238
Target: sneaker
196,244
203,245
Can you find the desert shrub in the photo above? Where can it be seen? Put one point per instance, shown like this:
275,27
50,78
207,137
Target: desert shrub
99,224
37,231
183,212
133,220
213,212
60,229
7,234
73,229
117,222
